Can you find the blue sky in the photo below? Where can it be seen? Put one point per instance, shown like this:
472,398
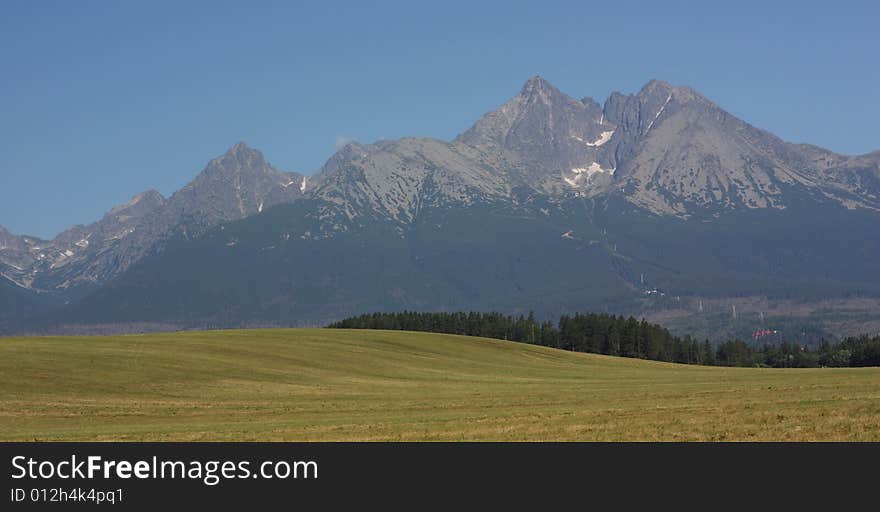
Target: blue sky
102,100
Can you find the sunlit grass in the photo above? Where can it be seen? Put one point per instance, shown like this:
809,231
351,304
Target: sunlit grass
322,384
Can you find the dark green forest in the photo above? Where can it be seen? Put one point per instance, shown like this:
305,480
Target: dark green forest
626,337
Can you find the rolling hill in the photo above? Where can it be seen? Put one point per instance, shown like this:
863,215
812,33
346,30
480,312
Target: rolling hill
323,385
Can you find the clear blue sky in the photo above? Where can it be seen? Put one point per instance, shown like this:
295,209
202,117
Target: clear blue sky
102,100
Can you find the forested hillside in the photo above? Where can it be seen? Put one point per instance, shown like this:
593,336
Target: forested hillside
626,337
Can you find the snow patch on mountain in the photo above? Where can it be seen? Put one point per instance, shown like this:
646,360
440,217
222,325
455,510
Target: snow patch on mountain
582,175
658,113
603,138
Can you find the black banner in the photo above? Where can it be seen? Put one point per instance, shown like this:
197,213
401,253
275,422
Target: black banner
57,476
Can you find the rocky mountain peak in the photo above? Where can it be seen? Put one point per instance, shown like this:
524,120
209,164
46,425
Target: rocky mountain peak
539,89
535,82
549,130
140,204
642,111
8,240
238,158
677,152
681,93
234,185
151,195
655,85
352,149
638,113
240,147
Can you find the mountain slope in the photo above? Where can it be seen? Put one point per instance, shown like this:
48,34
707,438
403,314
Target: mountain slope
547,203
584,254
76,254
233,186
270,269
395,180
677,152
17,304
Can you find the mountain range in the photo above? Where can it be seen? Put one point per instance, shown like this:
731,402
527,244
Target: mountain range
653,203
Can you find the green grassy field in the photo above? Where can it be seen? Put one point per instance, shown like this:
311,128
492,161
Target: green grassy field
323,384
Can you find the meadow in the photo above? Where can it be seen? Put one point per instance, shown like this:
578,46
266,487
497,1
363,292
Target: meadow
360,385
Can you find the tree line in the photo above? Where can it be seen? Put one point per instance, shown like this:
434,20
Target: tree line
615,335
